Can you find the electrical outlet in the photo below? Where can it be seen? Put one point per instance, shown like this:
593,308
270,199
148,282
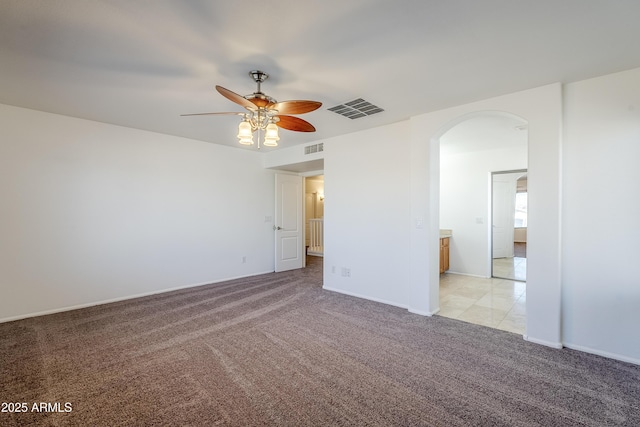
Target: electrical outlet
346,272
244,259
333,269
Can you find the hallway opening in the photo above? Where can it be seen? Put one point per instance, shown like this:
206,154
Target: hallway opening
480,223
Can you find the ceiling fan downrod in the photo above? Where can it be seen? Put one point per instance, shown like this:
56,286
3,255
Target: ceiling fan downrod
259,77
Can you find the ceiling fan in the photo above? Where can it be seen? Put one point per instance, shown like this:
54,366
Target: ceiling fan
265,114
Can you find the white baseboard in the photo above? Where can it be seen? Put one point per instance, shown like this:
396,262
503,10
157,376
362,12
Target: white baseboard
382,301
423,313
467,274
606,354
124,298
353,294
557,345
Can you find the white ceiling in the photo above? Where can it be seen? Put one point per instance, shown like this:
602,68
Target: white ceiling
486,131
143,63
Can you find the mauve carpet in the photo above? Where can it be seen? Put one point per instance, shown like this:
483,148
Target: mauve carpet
278,350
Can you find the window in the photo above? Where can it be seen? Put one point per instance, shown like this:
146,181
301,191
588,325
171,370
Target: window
521,210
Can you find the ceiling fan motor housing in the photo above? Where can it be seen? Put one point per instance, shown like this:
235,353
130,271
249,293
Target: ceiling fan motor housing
258,76
258,98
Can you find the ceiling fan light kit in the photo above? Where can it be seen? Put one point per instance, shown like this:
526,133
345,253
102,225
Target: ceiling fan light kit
271,137
265,115
245,134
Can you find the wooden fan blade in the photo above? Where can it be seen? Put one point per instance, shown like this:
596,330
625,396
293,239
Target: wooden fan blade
295,107
232,96
212,114
295,124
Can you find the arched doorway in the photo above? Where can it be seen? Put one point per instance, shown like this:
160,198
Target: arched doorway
542,109
470,151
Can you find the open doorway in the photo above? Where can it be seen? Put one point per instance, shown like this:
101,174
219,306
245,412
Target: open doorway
509,208
314,215
539,109
469,152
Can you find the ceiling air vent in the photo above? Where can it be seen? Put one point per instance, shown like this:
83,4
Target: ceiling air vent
356,109
315,148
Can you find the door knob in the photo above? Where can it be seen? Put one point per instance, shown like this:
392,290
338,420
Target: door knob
277,227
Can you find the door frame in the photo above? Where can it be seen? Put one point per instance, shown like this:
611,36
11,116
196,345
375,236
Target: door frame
303,176
523,171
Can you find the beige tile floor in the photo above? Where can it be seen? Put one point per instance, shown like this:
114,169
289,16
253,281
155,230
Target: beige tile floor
510,268
497,303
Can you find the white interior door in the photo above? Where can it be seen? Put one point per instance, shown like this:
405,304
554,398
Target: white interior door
503,212
289,222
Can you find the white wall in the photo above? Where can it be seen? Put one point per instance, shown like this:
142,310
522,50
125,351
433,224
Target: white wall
465,197
366,207
92,212
294,159
601,210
